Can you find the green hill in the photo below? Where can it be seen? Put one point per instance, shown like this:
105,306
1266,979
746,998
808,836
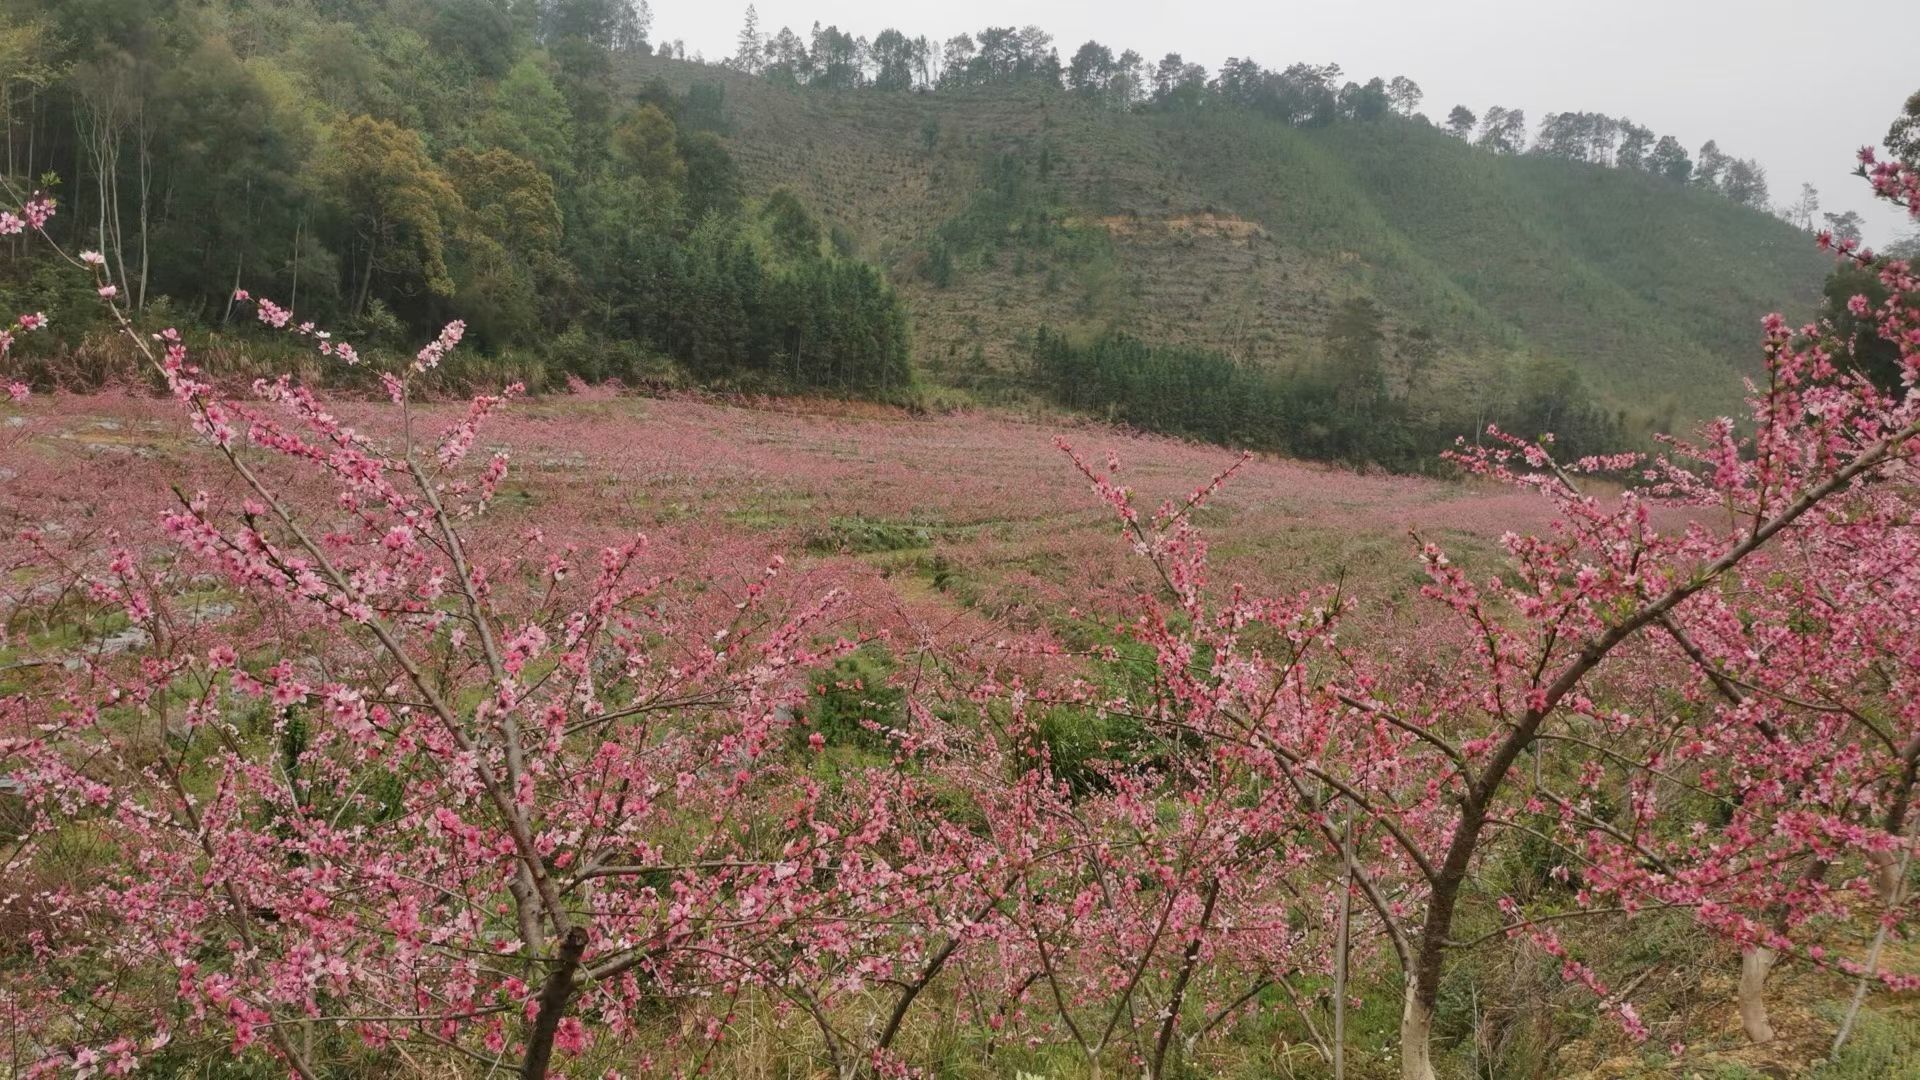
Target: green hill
1223,229
394,166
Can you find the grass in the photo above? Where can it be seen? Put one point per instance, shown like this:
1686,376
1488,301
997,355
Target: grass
1885,1044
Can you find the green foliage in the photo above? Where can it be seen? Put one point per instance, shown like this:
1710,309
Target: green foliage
854,702
862,536
509,244
1338,409
529,116
1868,353
796,235
480,32
1080,743
1013,208
731,312
1903,135
388,168
645,145
1185,391
713,180
1883,1044
705,109
394,205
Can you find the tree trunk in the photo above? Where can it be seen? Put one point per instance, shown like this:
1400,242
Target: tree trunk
366,279
146,194
1176,997
293,298
1423,974
1340,949
1886,875
1416,1036
239,262
554,997
1895,896
1755,964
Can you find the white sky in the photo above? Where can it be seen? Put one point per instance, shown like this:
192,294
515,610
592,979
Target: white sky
1798,85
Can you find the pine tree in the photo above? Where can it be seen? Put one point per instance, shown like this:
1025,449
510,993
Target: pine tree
1461,121
748,56
1804,211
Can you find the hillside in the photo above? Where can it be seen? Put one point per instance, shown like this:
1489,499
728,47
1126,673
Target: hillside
1226,230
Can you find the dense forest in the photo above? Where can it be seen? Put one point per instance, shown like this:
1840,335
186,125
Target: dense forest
385,167
1357,404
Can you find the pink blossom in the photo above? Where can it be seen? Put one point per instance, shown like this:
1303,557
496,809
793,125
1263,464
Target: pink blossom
437,350
273,314
571,1038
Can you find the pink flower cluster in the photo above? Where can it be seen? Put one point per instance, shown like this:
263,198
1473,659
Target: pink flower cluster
437,349
34,215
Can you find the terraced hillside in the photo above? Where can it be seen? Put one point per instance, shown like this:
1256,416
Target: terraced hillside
997,210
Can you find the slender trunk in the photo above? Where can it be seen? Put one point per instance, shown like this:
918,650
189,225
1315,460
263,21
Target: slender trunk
293,298
1886,875
366,279
1890,872
1189,960
912,992
554,997
1756,962
146,191
83,131
239,259
1416,1036
113,218
1893,900
33,131
1340,972
238,262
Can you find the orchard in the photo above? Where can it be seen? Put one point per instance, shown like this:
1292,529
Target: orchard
312,760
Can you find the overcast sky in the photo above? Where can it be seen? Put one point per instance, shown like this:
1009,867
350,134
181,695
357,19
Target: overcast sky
1796,84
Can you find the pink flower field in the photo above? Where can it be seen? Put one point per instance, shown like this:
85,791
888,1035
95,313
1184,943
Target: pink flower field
859,492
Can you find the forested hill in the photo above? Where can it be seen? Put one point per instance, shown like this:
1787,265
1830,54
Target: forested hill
1271,258
1001,208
